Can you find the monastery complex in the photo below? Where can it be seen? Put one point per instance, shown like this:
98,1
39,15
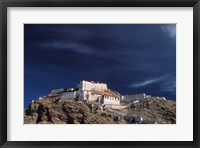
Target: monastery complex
97,92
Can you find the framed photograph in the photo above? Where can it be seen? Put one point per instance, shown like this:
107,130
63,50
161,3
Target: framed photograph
99,73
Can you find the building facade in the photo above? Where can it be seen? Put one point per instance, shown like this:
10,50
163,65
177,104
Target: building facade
91,91
88,86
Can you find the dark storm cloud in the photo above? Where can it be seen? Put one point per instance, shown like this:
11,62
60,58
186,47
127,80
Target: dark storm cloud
130,58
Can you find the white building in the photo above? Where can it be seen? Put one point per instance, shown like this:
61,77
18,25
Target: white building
88,86
91,91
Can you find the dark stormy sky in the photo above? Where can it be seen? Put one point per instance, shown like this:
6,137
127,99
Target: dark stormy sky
130,58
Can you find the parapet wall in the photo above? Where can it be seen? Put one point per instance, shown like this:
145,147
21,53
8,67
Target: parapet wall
111,100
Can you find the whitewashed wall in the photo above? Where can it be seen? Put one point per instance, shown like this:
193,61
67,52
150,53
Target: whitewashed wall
93,97
111,100
85,85
86,95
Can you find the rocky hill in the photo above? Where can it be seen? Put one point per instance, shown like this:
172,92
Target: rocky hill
160,111
52,110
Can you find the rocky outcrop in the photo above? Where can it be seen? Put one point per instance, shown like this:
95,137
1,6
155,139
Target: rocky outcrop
160,111
51,110
54,111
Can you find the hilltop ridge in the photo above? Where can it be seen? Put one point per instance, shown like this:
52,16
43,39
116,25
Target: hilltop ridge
52,110
95,103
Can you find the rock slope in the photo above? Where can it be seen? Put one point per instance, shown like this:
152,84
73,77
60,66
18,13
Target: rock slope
54,111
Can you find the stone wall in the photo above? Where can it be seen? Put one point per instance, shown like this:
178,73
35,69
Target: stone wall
81,95
68,95
54,91
160,98
135,96
87,86
115,106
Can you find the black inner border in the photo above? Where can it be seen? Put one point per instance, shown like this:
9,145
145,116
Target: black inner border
98,3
